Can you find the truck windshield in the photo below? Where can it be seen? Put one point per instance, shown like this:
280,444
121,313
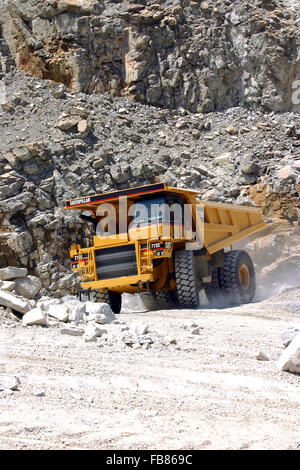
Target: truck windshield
149,211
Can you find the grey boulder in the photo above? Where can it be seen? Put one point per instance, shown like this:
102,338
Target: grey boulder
6,274
28,286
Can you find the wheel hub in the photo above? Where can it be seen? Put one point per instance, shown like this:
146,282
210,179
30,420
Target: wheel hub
245,278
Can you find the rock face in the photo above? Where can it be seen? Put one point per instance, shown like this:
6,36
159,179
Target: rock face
203,56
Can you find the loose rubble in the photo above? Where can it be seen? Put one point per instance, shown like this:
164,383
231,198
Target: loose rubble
156,387
85,318
99,312
15,281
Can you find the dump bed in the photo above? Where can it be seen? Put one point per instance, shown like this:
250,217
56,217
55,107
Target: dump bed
227,223
221,224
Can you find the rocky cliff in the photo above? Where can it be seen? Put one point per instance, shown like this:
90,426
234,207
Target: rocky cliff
67,137
201,55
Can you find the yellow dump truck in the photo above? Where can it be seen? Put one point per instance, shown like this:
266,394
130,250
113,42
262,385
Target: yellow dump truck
167,243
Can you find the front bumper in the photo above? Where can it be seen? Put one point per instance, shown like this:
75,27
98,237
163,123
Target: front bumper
125,281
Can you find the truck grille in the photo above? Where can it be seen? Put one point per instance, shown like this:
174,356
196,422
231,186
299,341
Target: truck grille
116,262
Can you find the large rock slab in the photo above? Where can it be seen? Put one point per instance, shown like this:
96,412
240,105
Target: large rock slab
6,274
60,312
290,358
28,286
75,307
99,312
36,316
12,301
72,331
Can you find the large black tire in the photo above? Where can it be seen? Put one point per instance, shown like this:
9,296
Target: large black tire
187,282
237,277
149,301
113,299
164,299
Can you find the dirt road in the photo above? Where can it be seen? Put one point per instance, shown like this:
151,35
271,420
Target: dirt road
207,391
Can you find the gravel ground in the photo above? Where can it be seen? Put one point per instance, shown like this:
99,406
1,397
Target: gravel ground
207,391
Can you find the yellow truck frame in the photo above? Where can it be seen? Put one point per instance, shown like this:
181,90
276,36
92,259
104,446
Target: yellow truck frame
168,261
